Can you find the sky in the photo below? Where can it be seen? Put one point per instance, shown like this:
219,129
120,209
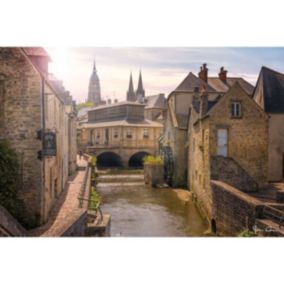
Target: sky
163,68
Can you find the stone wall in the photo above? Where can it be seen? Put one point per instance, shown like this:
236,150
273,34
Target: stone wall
233,210
276,147
247,135
9,225
246,164
229,171
154,174
20,121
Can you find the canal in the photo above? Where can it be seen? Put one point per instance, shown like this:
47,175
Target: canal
137,210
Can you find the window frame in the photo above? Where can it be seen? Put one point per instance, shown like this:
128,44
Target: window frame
236,109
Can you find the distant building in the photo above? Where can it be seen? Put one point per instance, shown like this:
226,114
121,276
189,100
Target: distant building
139,94
94,94
269,95
131,95
155,105
175,140
119,135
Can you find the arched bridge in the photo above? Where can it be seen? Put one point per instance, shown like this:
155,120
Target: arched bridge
120,158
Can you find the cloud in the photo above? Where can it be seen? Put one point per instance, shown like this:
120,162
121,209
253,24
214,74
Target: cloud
163,68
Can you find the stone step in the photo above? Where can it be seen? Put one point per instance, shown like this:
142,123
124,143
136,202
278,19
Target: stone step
119,184
120,178
267,227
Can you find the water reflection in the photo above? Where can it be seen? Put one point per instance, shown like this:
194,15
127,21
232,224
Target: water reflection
138,210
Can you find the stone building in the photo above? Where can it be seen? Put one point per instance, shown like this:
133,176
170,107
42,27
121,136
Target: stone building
228,142
269,95
38,118
155,107
174,142
94,93
119,134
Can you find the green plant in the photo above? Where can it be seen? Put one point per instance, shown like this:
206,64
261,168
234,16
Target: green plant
95,199
85,105
152,160
247,233
9,185
94,161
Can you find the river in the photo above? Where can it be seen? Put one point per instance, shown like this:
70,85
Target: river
140,211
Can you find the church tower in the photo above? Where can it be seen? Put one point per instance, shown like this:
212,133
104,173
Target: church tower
131,96
94,94
140,92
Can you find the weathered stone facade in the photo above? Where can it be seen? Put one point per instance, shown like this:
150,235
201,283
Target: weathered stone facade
243,164
269,94
178,110
119,133
24,83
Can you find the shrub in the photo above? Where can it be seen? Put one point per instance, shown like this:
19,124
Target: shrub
9,184
94,161
95,199
151,160
85,105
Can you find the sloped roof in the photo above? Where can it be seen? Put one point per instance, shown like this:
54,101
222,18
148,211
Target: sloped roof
122,122
217,84
210,104
243,83
270,86
191,82
37,51
155,101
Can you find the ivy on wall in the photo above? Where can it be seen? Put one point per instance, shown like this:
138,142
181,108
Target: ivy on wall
9,185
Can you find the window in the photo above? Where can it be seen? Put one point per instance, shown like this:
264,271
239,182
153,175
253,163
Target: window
145,133
128,133
115,134
222,142
236,110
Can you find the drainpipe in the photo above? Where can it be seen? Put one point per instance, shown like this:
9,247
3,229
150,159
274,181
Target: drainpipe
42,143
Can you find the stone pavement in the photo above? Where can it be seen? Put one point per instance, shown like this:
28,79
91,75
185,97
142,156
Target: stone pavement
67,210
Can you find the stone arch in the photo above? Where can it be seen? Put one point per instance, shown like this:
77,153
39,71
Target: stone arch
136,160
109,160
213,226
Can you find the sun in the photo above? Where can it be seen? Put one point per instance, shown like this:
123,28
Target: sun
62,63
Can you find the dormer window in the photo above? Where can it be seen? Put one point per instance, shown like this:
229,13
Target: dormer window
236,110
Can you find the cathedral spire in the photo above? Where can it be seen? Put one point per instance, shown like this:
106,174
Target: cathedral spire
94,66
131,96
94,94
140,92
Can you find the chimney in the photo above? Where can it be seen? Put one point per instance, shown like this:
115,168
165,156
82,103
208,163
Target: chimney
109,101
223,75
203,74
115,100
203,102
